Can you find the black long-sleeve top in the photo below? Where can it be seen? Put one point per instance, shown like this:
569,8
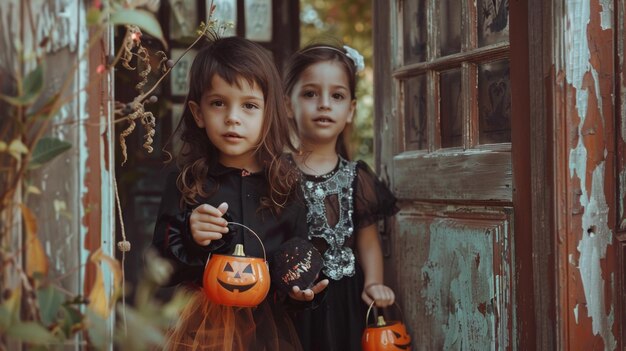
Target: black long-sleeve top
172,236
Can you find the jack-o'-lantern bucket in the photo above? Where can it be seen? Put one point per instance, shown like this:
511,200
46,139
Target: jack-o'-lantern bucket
237,279
385,335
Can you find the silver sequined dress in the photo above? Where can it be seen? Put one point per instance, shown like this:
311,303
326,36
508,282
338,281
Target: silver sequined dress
339,204
339,258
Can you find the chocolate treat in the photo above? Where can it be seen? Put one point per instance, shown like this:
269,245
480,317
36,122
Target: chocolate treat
297,262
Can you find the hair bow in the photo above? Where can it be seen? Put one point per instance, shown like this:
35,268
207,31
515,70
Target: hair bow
356,57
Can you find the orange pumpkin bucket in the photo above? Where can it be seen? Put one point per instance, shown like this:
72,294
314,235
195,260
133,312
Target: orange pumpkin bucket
237,279
385,335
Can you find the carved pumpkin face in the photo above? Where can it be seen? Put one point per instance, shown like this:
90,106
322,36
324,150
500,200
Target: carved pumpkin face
234,280
392,336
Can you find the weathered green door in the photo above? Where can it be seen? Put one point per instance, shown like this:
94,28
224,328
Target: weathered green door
443,105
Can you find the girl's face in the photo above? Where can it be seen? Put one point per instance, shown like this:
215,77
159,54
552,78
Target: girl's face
321,103
232,118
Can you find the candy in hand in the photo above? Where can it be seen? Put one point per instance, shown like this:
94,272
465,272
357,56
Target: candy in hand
296,263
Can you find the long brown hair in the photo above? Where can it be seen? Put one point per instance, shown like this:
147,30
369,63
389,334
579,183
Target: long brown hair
315,53
233,59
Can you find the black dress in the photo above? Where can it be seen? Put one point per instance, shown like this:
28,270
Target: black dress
265,327
340,203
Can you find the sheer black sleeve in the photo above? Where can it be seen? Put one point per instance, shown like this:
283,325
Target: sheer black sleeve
373,200
172,237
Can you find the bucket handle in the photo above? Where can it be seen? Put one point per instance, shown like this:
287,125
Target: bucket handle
255,234
367,315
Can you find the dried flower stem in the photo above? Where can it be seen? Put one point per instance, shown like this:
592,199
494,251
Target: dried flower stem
146,94
143,96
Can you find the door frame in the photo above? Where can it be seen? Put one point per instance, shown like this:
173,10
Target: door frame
531,123
533,167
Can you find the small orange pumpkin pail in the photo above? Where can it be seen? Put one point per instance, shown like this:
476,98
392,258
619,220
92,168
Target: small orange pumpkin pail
237,279
384,335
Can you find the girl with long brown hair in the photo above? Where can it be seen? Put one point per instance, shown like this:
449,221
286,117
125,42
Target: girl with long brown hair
234,132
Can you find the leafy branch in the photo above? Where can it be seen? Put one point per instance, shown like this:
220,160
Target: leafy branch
37,310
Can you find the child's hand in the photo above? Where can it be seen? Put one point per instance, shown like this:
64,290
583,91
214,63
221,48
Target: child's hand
382,294
308,294
206,223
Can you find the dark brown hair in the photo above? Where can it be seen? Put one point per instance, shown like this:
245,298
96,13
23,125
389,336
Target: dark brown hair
234,59
315,53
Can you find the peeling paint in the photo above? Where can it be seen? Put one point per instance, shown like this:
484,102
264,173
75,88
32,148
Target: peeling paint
466,298
82,80
606,16
57,20
596,236
593,247
578,163
577,50
596,80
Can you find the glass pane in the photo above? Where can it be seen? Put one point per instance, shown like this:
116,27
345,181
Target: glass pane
414,31
415,127
450,27
451,122
493,21
494,102
183,19
258,26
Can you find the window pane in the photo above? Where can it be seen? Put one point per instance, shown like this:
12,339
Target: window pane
414,31
451,122
450,27
494,102
415,114
493,21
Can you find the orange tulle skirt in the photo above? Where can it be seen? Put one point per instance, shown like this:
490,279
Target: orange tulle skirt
205,326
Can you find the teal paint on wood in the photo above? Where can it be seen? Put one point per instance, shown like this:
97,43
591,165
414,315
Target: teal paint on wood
460,284
457,274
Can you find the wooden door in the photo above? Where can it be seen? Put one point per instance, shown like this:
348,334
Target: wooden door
555,241
443,110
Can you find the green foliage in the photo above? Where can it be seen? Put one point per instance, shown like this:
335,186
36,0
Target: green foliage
71,319
10,309
348,21
30,332
141,327
49,300
13,327
47,148
35,308
30,88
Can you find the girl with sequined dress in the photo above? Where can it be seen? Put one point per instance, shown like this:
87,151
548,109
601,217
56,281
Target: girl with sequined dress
231,169
345,199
